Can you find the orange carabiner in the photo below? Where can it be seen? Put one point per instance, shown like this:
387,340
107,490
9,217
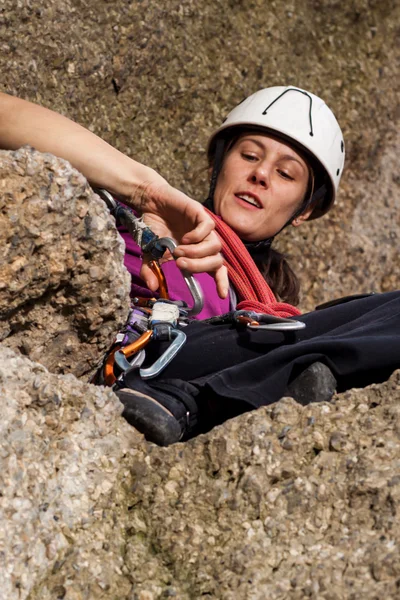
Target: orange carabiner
109,375
138,344
162,283
247,321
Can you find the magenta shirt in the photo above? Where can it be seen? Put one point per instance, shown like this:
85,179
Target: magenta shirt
177,288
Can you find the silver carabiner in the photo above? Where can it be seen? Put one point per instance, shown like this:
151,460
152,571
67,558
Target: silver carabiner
193,286
178,339
269,322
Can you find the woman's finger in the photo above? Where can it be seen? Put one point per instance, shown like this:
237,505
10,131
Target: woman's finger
209,264
202,226
222,281
208,247
148,276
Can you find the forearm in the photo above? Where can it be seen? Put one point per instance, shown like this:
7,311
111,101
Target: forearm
24,123
172,213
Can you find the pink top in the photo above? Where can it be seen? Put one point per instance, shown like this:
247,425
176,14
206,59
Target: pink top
177,288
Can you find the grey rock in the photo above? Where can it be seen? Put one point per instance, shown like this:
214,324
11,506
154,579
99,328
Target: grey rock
285,502
90,510
62,477
235,514
64,291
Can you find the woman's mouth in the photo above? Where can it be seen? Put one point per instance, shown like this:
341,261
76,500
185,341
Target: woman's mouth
249,199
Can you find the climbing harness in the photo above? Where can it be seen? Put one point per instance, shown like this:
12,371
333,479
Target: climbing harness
154,320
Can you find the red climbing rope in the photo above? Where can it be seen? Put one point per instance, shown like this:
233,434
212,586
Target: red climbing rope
252,289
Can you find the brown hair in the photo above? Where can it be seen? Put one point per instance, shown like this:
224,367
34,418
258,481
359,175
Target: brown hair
279,275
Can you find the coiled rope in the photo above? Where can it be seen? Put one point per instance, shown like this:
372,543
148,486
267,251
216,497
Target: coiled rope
253,291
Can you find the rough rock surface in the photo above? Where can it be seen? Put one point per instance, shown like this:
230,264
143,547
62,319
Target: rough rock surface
286,501
63,289
61,478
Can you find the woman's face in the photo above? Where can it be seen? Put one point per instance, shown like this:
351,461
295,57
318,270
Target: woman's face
262,183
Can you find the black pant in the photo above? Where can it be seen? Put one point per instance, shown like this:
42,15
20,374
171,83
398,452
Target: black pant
358,340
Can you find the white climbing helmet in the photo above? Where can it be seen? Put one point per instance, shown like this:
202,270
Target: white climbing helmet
299,116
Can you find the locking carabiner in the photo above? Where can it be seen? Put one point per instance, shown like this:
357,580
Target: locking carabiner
255,320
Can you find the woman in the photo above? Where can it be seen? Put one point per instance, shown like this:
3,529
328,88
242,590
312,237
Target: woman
276,160
307,141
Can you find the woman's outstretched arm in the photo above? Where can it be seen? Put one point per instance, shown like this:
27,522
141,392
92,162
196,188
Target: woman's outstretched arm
167,210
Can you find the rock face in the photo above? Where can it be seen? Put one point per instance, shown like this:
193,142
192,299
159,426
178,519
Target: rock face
286,501
63,288
61,478
156,79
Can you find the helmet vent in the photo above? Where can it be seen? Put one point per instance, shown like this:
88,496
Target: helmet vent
300,92
337,172
342,146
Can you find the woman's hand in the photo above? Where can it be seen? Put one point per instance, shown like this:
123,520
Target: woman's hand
170,213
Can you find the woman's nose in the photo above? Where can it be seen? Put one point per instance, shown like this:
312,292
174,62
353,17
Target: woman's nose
260,176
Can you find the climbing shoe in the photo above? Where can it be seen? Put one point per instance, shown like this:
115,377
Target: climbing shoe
315,384
165,412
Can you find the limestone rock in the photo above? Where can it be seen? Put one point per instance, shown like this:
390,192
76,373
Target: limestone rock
64,291
285,501
241,513
61,478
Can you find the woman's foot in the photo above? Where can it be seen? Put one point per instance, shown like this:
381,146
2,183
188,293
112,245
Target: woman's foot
315,384
165,412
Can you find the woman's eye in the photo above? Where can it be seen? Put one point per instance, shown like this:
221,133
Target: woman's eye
251,157
285,175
